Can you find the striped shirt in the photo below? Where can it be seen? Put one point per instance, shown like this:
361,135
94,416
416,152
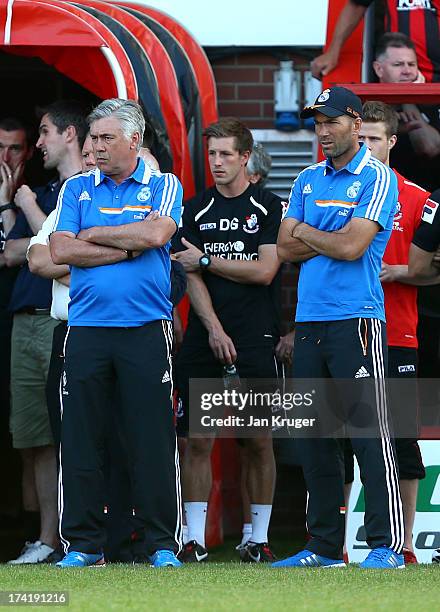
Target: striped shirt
420,20
331,289
132,292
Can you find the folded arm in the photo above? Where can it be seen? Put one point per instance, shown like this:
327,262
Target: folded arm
66,248
40,262
290,248
421,267
347,244
151,234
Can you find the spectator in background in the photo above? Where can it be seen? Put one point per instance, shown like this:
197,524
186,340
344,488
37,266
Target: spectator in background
62,131
418,20
259,165
417,151
417,156
15,150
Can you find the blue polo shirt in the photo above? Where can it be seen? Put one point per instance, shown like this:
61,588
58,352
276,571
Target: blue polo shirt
325,198
132,292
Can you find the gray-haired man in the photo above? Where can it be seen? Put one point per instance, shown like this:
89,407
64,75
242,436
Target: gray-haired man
113,228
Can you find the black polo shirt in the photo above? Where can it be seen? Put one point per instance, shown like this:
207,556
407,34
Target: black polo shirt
234,228
31,290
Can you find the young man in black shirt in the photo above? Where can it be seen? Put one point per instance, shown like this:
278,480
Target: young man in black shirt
228,249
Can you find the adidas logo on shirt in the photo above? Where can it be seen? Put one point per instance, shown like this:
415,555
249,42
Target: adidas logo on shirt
307,188
362,373
166,377
84,196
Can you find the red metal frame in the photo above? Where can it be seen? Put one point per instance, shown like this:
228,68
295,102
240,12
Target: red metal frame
62,27
202,68
167,87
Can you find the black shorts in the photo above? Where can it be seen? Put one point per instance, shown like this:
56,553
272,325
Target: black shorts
402,363
199,362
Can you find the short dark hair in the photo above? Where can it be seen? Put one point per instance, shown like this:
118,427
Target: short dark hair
12,124
228,127
375,111
63,113
393,39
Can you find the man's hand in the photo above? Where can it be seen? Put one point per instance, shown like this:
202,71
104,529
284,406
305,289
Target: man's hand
410,119
323,64
149,158
386,275
8,184
222,346
25,197
284,348
189,258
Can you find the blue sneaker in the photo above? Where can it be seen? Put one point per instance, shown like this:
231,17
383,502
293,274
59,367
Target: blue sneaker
165,558
80,559
383,558
306,558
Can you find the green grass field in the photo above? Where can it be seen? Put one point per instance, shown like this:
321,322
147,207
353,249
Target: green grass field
232,586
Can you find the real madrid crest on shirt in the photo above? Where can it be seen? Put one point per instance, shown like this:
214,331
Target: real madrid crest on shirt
144,194
353,190
324,96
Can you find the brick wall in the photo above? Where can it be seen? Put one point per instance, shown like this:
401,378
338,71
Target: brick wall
245,86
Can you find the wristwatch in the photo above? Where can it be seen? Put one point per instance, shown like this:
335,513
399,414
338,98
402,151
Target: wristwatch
205,261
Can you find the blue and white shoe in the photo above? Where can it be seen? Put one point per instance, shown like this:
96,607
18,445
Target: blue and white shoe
383,558
80,559
306,558
165,558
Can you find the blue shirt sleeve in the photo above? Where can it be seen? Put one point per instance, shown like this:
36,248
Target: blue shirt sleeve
295,208
68,217
378,200
167,197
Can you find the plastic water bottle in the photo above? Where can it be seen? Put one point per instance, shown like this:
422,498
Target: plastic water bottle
231,379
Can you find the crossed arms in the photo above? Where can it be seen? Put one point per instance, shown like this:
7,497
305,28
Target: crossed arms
298,241
103,245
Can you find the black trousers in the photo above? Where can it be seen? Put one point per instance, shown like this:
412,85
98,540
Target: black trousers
54,374
137,362
350,349
120,524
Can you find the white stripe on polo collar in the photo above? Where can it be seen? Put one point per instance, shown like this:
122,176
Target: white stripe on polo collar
364,161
